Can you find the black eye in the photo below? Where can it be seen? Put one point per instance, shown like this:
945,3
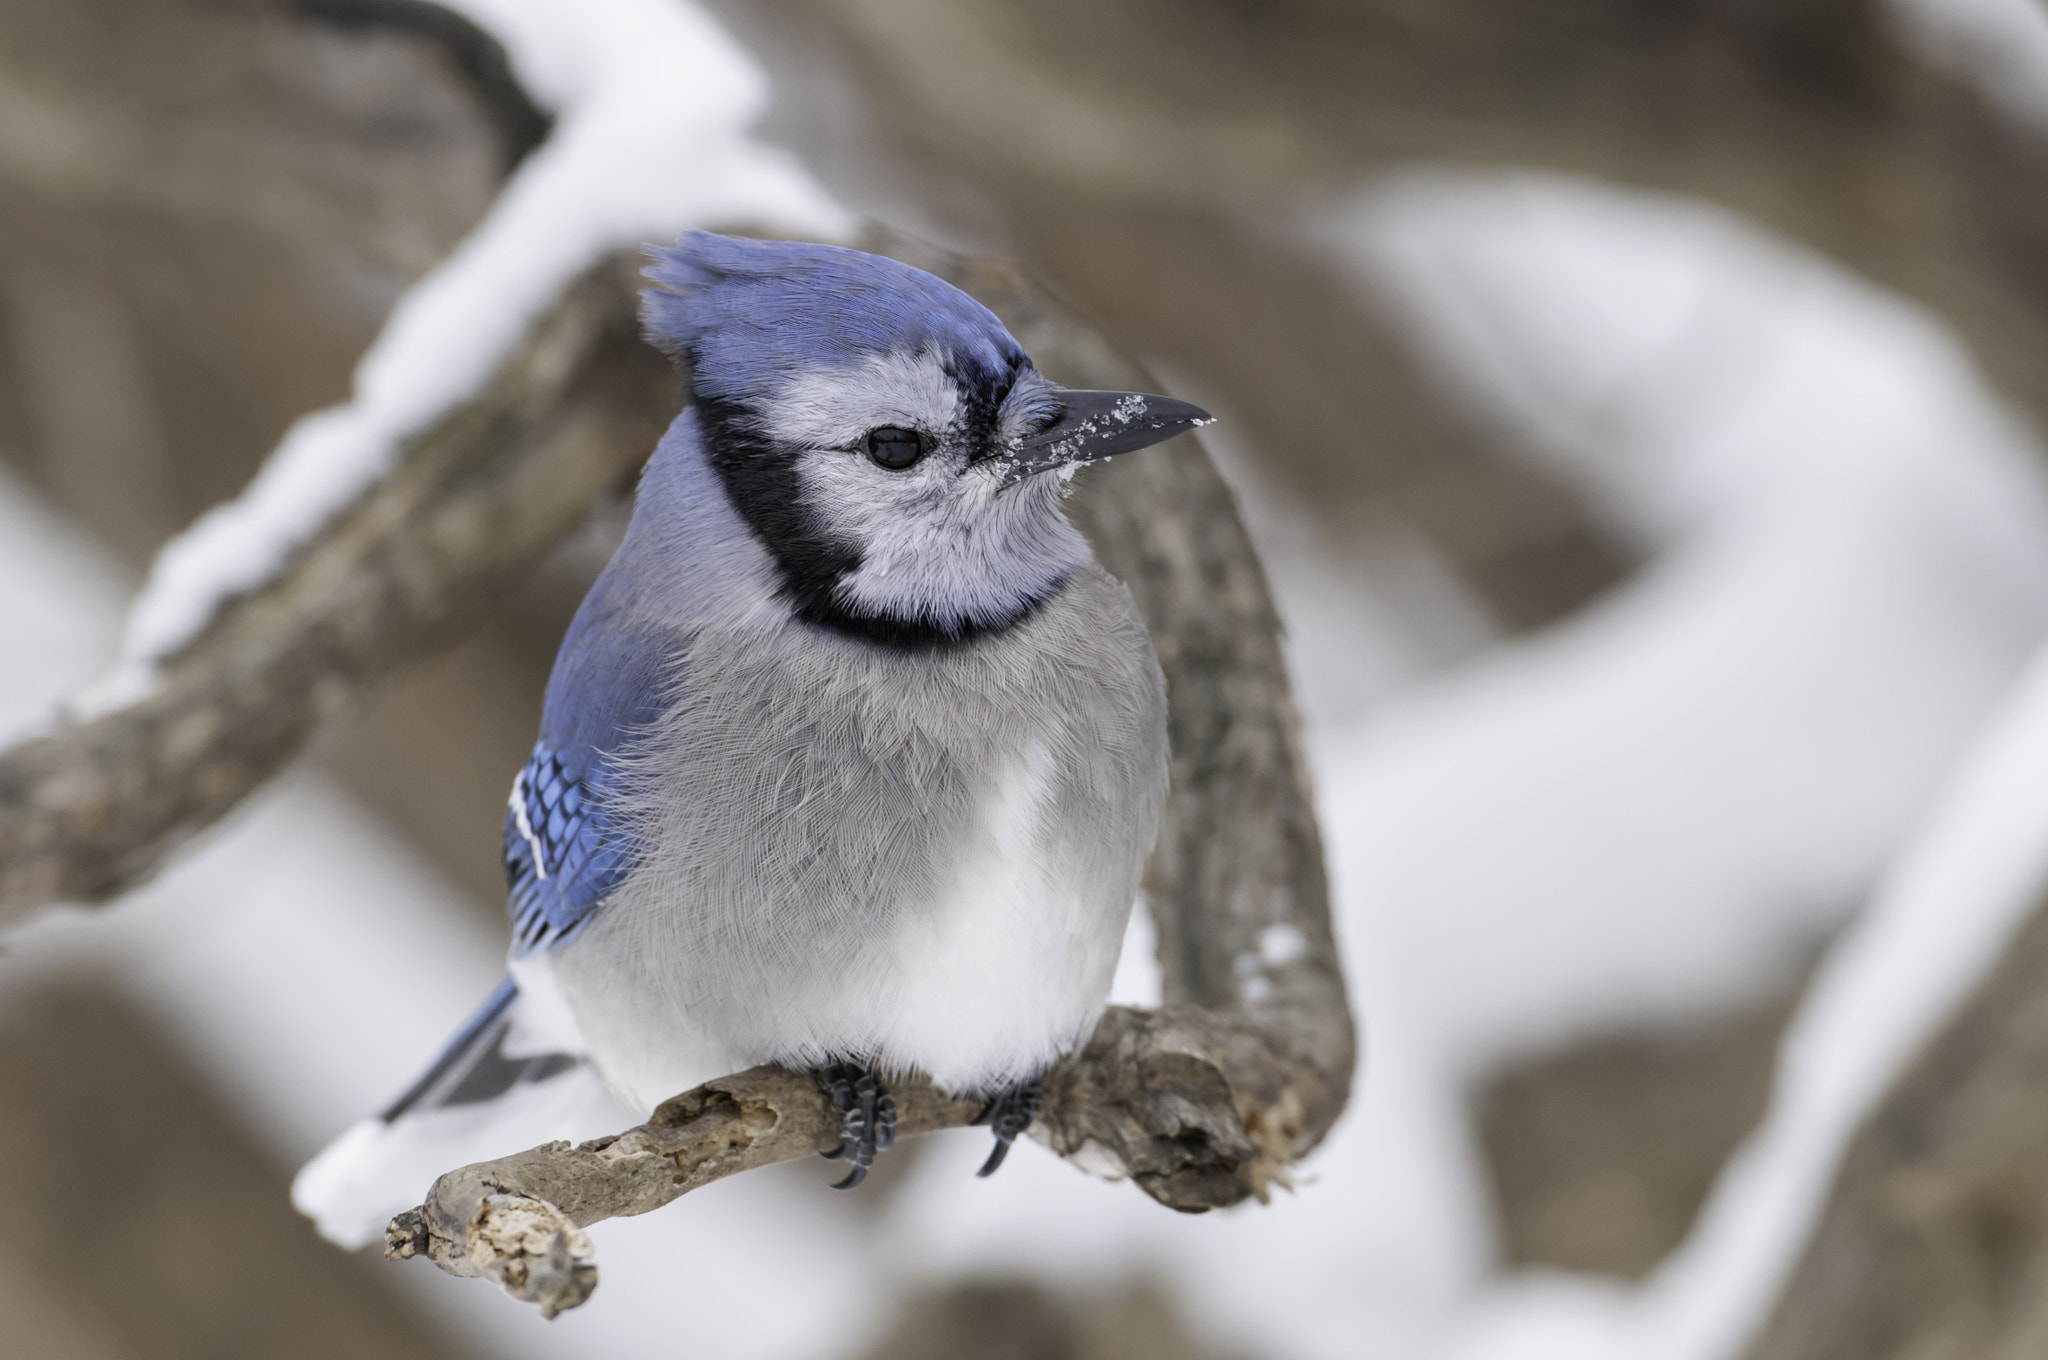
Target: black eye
895,448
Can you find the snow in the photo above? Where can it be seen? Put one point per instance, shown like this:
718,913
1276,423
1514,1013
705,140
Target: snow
653,103
61,599
1138,980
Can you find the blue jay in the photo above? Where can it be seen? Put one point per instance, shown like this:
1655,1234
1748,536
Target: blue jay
852,758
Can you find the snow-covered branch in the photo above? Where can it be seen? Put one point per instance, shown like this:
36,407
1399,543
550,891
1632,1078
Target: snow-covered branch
90,808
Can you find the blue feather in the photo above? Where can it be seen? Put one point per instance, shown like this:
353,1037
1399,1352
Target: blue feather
748,314
567,845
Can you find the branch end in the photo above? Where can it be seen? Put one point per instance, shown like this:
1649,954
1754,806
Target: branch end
406,1236
531,1250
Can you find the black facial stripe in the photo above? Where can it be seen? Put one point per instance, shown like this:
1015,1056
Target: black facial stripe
982,393
762,481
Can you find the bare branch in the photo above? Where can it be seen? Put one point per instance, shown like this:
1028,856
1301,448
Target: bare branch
515,1221
1200,1108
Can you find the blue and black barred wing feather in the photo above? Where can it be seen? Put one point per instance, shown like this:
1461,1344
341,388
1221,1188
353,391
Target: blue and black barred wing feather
563,854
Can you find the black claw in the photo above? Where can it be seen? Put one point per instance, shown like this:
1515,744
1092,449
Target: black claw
995,1157
867,1117
1008,1113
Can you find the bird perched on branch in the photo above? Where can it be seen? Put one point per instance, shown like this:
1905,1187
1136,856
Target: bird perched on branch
851,759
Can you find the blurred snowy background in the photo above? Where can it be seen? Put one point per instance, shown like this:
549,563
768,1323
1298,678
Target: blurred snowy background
1661,596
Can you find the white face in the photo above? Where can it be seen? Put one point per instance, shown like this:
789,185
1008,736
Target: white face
942,538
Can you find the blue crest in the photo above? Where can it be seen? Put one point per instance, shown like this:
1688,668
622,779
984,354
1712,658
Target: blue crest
748,314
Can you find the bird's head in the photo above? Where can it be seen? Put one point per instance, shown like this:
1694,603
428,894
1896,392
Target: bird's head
883,435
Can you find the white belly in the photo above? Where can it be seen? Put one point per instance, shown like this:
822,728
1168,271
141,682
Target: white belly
1014,968
1007,969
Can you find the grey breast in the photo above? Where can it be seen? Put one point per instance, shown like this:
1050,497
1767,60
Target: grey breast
807,791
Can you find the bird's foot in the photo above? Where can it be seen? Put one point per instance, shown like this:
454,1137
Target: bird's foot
1008,1113
867,1116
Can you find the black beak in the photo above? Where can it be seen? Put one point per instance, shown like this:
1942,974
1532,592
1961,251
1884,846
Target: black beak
1095,425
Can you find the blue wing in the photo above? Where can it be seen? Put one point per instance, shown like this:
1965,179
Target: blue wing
563,854
566,846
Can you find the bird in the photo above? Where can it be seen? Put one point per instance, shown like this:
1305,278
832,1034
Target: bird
851,759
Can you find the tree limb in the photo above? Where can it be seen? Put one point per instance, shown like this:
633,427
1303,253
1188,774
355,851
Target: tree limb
515,1221
1199,1107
